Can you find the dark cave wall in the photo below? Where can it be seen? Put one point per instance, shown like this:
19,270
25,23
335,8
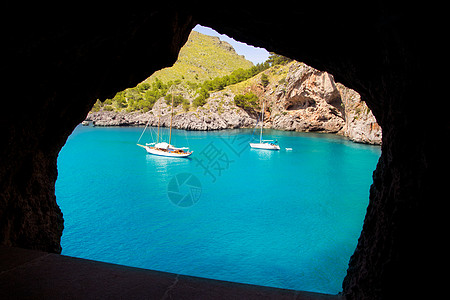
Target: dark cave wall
59,61
384,51
59,64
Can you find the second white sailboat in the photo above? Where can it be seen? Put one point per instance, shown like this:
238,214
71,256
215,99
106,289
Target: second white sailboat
264,144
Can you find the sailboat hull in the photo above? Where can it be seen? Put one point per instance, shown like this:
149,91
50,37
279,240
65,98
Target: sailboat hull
264,146
167,153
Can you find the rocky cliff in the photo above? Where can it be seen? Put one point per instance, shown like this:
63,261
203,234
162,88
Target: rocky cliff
298,98
310,100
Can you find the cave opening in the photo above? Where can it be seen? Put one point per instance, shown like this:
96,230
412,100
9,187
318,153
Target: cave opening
95,182
385,52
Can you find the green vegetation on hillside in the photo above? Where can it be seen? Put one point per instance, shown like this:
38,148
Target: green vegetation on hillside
248,101
239,75
177,100
275,59
264,80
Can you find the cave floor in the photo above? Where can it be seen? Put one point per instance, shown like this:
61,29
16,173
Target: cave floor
29,274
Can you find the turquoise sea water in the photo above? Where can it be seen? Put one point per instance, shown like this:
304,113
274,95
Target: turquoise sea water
287,219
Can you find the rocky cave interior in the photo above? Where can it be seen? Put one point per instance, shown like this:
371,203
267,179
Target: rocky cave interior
56,65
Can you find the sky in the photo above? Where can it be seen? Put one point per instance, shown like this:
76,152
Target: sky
254,54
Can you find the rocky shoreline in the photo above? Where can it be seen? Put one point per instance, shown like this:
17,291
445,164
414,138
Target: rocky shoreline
206,118
304,99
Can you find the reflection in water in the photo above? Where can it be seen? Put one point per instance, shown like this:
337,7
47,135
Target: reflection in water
264,154
162,164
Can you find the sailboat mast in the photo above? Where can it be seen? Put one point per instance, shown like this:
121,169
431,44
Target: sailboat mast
262,124
171,117
159,123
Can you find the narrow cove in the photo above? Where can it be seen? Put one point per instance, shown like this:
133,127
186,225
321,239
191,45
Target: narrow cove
287,219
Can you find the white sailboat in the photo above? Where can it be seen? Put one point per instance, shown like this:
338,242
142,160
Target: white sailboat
163,148
264,144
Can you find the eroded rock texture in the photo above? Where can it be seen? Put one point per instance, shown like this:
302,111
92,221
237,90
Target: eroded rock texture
59,61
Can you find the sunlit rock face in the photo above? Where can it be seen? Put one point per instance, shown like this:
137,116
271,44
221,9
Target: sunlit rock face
58,61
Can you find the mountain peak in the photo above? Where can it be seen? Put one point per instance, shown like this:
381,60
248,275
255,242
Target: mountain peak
203,57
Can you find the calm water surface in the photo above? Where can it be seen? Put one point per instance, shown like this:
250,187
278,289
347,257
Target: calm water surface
288,219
